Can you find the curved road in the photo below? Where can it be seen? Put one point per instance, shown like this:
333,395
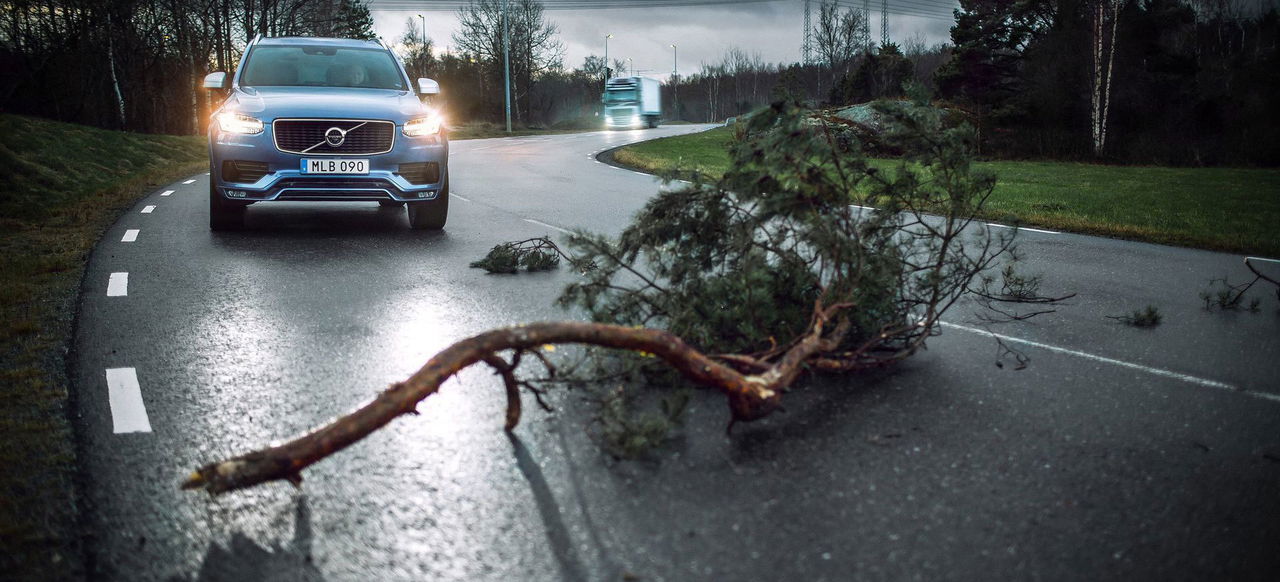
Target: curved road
1118,454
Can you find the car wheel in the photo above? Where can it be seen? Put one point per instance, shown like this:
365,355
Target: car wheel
223,214
431,214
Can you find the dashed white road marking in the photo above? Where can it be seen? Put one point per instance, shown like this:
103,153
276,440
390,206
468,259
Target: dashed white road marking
553,227
130,235
166,192
1148,369
189,182
128,413
149,209
118,285
452,195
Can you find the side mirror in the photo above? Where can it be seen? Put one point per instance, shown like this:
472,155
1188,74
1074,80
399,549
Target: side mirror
216,80
428,87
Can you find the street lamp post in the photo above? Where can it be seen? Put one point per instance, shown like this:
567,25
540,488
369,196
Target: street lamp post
424,28
631,65
606,56
675,79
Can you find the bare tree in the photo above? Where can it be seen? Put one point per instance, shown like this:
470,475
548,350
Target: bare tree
839,36
532,44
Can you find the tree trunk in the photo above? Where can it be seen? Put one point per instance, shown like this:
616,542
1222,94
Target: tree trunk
1104,49
115,81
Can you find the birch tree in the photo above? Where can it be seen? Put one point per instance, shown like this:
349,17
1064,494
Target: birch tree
1105,17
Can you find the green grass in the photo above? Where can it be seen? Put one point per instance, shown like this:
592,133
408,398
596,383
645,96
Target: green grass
1226,209
61,186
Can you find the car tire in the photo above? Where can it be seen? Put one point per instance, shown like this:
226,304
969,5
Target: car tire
223,214
431,214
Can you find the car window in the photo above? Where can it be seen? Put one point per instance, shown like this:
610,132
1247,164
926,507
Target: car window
317,66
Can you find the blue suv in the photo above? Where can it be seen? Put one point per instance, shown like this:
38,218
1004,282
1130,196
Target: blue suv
320,119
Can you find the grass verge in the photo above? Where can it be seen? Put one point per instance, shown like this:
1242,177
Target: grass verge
62,185
1224,209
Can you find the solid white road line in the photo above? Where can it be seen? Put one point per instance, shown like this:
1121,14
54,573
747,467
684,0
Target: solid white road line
1148,369
1262,259
540,223
128,413
452,195
189,182
118,285
148,209
130,235
1022,228
166,192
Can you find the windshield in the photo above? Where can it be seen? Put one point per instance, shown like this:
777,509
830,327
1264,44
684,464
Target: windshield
619,95
320,66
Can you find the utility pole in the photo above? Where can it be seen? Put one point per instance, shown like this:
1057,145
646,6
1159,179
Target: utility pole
675,79
506,59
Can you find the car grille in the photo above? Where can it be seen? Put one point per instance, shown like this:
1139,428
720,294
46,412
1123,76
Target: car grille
419,173
243,171
319,189
307,136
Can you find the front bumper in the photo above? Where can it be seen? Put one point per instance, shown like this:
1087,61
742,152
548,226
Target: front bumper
626,117
389,177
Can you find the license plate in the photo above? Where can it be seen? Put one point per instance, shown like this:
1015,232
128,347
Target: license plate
335,166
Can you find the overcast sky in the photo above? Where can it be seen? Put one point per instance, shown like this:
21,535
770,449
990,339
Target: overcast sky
701,33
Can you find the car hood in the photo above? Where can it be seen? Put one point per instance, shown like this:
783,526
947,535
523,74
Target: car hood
270,103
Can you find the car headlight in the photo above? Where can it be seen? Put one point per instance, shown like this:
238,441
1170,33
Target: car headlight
422,126
231,122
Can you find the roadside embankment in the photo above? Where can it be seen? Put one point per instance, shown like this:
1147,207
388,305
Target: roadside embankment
61,185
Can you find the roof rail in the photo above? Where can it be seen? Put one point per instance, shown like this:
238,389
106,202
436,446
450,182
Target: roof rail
256,38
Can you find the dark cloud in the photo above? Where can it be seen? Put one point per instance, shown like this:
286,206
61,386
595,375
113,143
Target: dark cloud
702,33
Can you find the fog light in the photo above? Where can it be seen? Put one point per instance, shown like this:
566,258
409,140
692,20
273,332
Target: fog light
422,194
236,193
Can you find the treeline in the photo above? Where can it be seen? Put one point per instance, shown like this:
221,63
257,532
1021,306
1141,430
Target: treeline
137,64
1138,81
1131,81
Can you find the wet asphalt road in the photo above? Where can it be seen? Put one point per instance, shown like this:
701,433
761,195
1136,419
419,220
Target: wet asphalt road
1159,462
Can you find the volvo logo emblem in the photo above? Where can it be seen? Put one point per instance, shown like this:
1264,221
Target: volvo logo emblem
334,136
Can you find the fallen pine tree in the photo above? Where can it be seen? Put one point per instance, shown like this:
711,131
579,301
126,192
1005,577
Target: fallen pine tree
805,256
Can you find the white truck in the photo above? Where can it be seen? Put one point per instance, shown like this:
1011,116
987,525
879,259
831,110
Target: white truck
632,102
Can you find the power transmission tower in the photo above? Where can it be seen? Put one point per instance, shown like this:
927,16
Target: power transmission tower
866,25
884,22
806,49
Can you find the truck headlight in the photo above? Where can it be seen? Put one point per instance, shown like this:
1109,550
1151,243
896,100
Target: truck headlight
422,126
231,122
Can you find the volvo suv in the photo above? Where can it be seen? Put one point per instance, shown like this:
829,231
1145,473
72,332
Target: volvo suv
322,119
